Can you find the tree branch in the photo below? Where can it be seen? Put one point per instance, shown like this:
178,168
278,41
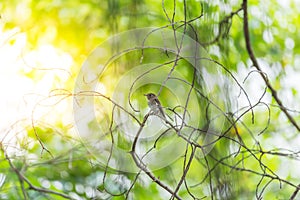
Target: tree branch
23,179
257,66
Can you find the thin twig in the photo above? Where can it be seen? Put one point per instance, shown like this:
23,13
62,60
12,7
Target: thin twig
257,66
22,179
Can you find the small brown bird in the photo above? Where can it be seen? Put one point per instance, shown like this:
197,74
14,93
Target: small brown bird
155,105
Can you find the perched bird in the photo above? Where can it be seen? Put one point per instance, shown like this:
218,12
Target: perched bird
155,105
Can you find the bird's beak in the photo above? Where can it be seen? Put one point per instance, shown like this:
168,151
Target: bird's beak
145,94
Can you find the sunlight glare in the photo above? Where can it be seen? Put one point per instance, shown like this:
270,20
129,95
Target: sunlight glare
27,76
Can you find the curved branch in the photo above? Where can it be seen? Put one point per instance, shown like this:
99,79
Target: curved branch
23,179
257,66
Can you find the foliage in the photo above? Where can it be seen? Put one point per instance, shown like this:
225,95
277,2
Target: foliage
234,119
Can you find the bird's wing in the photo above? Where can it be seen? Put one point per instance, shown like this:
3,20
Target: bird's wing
159,107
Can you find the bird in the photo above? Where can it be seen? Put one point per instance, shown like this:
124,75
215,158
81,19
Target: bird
155,105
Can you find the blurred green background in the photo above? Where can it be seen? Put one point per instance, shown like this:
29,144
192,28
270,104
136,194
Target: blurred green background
43,45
